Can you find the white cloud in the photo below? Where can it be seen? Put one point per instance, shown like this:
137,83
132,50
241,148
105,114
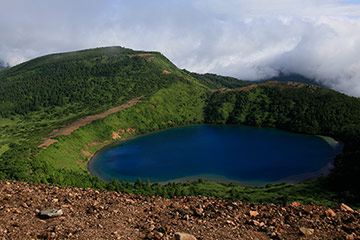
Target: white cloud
246,39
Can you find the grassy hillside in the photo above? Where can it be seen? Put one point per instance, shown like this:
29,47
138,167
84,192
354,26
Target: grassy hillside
43,94
177,105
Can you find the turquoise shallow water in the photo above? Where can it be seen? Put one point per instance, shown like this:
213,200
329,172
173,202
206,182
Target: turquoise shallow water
234,153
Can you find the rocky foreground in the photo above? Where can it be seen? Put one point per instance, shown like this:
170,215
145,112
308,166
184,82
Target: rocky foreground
92,214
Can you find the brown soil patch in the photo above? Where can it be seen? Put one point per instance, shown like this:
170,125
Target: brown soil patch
86,153
246,88
166,72
270,83
93,214
115,135
118,134
94,144
47,142
67,130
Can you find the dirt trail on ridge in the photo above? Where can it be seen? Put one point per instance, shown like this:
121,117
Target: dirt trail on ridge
68,129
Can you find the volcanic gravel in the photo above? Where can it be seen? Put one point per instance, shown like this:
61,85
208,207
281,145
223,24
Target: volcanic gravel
94,214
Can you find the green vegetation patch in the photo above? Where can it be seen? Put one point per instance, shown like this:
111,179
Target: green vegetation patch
178,105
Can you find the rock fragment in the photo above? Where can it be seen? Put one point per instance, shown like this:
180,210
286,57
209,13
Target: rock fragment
184,236
49,213
306,231
350,237
158,235
253,213
330,213
346,208
199,211
256,223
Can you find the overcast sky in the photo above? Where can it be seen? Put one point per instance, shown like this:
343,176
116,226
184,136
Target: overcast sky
247,39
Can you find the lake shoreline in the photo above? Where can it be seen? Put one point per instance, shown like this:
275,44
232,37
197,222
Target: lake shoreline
296,179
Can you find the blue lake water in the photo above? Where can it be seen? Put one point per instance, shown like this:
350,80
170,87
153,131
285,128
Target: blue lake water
223,153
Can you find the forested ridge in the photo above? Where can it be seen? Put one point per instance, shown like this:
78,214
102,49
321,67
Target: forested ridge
43,94
83,80
298,109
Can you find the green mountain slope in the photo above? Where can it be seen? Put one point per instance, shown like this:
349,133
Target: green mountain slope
91,79
43,94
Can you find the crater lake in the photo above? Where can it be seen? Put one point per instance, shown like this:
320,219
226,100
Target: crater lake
223,153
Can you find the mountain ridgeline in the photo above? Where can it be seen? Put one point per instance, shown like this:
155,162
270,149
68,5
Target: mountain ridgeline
44,94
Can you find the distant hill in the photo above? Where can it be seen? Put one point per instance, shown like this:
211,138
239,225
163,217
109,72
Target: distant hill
215,81
2,66
293,78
